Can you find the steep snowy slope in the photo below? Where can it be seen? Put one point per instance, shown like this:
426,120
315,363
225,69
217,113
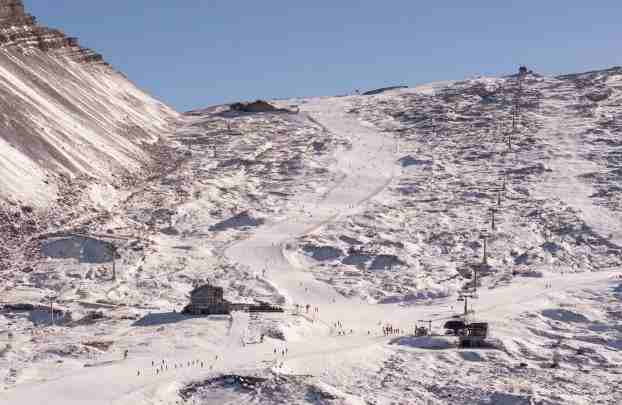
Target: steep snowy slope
555,192
63,111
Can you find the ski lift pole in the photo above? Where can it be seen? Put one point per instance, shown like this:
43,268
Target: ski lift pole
52,311
492,219
429,322
465,297
484,237
51,298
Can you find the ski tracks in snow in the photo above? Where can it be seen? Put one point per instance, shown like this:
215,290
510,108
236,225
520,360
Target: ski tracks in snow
368,167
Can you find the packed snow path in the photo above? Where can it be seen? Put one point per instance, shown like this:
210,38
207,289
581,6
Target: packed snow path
367,168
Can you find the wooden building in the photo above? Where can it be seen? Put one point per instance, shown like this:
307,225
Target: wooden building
207,299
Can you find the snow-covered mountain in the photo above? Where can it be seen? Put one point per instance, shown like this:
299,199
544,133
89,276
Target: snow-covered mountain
65,112
554,183
355,214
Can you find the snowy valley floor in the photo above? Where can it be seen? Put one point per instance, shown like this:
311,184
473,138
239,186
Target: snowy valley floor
287,245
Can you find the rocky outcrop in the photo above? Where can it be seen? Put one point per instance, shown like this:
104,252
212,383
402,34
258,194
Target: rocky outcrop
20,30
599,94
12,13
258,106
253,107
383,90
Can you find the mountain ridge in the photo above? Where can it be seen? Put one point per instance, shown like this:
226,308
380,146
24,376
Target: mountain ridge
65,111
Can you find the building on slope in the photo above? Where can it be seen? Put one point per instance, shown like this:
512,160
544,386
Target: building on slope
208,299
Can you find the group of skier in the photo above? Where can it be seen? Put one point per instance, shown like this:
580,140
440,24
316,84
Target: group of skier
338,326
389,330
163,366
283,352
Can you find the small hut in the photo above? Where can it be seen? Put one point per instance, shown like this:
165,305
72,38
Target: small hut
207,299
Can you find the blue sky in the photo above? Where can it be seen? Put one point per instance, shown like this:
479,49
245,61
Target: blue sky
195,53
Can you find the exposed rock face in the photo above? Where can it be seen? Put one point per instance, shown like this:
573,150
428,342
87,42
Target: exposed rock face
65,113
239,221
257,106
12,12
323,253
383,90
20,30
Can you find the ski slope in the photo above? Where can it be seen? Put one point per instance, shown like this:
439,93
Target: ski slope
365,170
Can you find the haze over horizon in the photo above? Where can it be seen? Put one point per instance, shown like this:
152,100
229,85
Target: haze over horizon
195,54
